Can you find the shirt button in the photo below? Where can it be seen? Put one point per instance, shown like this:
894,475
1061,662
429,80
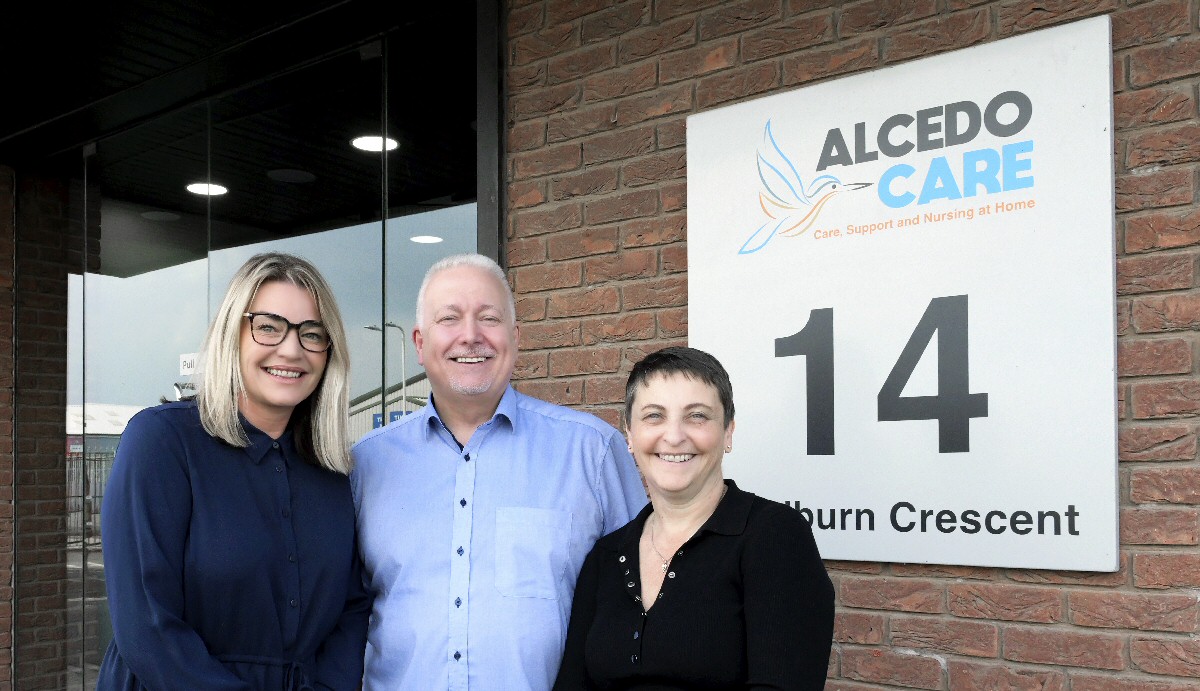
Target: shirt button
279,469
671,575
292,602
274,445
460,551
457,655
462,502
467,457
636,634
621,559
629,584
291,557
458,602
633,659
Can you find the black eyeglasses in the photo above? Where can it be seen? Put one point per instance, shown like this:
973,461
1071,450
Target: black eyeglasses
270,329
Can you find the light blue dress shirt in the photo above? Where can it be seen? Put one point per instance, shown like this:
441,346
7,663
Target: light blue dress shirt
472,553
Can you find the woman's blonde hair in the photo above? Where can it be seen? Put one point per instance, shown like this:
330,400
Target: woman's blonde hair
320,423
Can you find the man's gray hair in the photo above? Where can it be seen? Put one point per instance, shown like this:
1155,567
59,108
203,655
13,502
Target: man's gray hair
479,261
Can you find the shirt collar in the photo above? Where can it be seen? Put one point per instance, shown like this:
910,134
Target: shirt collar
261,442
506,409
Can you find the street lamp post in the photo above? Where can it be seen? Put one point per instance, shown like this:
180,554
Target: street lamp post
403,364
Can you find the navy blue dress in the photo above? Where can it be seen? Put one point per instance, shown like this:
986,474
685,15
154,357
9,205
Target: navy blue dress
228,568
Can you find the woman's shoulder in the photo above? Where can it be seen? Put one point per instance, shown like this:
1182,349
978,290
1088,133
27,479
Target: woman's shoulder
175,419
774,515
612,542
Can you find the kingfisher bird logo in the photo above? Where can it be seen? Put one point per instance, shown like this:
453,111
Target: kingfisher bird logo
791,206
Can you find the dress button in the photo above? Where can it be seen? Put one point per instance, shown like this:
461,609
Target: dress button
292,602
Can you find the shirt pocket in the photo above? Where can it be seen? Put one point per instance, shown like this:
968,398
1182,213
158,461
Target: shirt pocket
533,548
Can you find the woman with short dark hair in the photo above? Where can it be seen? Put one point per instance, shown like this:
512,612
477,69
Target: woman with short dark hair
709,587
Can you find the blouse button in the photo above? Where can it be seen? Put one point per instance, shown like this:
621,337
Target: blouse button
629,584
671,574
621,559
626,572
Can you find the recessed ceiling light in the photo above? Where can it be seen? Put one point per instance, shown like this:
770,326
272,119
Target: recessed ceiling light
292,175
374,143
425,239
206,189
160,216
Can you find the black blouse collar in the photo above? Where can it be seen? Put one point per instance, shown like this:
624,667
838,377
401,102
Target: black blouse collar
729,518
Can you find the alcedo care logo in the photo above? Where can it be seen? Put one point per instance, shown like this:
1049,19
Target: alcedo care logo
793,201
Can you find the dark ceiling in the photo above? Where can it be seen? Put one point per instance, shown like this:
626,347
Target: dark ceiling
174,92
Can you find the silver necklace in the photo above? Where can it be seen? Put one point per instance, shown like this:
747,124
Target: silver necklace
655,548
664,561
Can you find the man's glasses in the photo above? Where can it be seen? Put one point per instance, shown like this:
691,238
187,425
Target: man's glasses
270,329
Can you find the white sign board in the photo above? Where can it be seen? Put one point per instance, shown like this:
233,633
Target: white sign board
909,275
187,364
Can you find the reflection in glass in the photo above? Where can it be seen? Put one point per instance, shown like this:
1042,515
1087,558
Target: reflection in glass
371,222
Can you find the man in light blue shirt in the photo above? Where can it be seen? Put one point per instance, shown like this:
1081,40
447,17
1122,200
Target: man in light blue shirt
475,514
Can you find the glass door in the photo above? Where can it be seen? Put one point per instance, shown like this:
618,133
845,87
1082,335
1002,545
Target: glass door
336,161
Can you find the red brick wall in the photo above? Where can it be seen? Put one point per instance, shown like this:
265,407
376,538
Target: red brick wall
8,241
597,93
47,247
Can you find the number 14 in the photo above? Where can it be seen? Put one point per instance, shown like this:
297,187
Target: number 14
953,406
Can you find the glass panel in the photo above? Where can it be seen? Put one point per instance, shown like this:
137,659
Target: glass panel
297,185
164,256
414,243
135,320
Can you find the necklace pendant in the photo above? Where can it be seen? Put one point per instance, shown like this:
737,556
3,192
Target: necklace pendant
664,567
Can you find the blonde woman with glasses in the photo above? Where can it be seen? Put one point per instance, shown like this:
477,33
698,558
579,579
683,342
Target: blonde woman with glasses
228,525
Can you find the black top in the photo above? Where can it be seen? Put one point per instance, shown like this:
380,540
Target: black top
746,604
